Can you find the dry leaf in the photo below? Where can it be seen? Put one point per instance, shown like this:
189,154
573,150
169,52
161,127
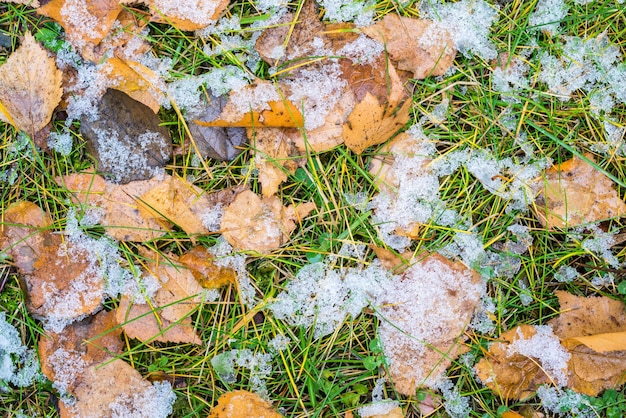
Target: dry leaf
189,15
177,201
202,265
275,156
84,21
136,80
167,317
257,105
575,193
393,413
405,41
425,312
30,87
262,225
81,361
242,404
511,374
593,329
31,3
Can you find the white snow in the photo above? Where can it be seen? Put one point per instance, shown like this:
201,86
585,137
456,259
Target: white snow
548,15
18,364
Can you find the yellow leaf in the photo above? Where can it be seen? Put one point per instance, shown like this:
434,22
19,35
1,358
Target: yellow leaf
600,343
136,80
242,404
188,16
30,87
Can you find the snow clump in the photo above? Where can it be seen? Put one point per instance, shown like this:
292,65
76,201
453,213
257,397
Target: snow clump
18,363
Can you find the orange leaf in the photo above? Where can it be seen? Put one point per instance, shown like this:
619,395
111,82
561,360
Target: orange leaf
203,268
30,87
189,15
136,80
242,404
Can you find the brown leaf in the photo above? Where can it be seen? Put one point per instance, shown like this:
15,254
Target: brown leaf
136,80
30,87
31,3
403,38
167,317
257,105
509,373
177,201
202,265
575,193
262,225
187,16
425,312
393,413
81,361
593,329
275,156
396,263
242,404
83,20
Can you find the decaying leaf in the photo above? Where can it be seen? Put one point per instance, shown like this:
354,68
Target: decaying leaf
593,329
514,370
136,80
201,264
414,44
575,193
395,412
262,225
83,20
167,317
81,361
275,157
177,201
242,404
31,3
425,312
30,87
189,15
261,104
63,281
126,138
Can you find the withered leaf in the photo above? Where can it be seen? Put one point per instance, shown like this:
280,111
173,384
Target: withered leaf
426,310
575,193
31,3
136,80
30,87
189,16
593,329
83,20
242,404
202,265
81,361
262,225
405,41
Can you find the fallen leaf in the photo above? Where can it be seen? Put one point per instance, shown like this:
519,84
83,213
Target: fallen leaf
393,413
31,3
62,280
424,314
126,138
575,193
84,21
262,225
242,404
178,202
202,265
30,87
257,105
515,375
415,45
136,80
395,263
275,156
189,15
166,317
593,329
81,362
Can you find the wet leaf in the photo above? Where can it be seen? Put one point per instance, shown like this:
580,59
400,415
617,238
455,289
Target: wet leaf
242,404
575,193
405,41
30,87
261,224
126,138
425,313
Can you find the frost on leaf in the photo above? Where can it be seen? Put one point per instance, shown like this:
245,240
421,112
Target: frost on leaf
261,224
187,15
83,20
575,193
62,281
593,329
166,317
242,404
524,358
30,87
424,313
406,43
81,362
31,3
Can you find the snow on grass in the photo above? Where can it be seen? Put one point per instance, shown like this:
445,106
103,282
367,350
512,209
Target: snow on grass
361,12
259,366
548,15
18,364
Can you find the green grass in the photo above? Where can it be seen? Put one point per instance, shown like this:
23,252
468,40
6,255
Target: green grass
328,376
